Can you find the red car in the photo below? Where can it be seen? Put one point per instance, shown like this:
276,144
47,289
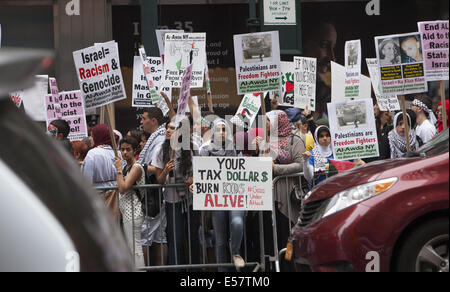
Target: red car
390,215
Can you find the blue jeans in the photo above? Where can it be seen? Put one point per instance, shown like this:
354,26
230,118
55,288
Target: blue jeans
220,220
174,213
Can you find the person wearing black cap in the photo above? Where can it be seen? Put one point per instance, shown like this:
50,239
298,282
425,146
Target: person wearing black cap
91,121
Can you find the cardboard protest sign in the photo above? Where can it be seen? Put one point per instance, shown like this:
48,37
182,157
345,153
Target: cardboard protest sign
141,92
258,64
99,74
233,183
33,98
401,61
353,129
150,69
305,82
71,107
54,91
435,47
184,94
182,50
160,37
17,97
248,111
338,84
386,102
207,81
352,68
287,84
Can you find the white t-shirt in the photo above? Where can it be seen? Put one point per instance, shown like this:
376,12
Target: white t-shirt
426,131
171,195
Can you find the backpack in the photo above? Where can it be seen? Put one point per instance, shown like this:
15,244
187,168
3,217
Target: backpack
149,198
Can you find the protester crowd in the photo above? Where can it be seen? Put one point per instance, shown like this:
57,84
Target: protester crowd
296,141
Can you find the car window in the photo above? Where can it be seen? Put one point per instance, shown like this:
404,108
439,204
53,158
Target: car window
439,145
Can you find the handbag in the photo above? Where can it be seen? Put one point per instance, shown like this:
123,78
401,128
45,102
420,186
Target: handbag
111,199
298,193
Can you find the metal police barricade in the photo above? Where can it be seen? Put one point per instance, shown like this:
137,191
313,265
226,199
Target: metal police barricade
205,265
290,186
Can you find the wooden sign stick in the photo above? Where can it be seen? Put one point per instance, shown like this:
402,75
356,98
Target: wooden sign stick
444,108
113,139
406,122
264,118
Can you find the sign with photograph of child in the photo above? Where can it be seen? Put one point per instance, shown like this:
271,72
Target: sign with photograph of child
401,63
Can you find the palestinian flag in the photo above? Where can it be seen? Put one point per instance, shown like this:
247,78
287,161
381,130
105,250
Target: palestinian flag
341,166
289,87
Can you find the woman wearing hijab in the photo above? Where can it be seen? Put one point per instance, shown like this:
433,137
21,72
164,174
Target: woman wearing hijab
221,145
285,151
98,166
394,144
318,160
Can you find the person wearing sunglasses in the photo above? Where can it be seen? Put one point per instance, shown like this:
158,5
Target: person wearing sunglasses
60,130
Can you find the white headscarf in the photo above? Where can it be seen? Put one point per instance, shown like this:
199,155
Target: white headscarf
219,148
398,143
321,153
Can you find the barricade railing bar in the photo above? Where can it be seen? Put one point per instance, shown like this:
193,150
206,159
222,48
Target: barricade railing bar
256,266
179,265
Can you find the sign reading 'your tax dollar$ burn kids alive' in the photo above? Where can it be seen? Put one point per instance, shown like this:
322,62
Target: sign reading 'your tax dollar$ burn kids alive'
233,183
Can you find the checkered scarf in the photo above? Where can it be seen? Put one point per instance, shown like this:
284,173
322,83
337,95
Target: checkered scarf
418,103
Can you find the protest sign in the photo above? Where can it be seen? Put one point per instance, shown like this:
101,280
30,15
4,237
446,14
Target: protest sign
248,111
401,64
258,64
141,93
435,47
352,68
386,102
33,98
184,94
54,91
233,183
305,82
287,84
17,97
99,74
207,80
160,37
338,84
353,129
71,107
182,50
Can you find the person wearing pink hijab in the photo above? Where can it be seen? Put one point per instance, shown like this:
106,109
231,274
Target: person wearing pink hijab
440,124
98,165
